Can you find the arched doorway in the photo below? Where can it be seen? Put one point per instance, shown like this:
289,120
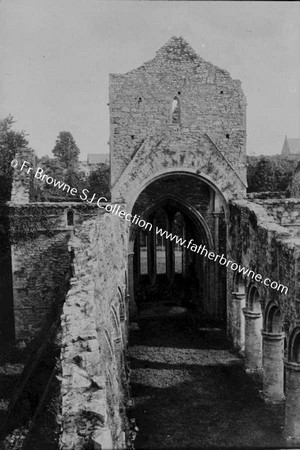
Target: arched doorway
170,262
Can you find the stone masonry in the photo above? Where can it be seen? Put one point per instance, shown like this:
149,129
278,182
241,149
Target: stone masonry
153,149
209,138
94,326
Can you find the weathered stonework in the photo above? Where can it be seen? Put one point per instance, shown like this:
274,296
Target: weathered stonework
23,185
94,324
257,242
41,262
190,160
285,211
208,139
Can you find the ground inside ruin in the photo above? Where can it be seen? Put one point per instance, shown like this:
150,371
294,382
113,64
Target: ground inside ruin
190,391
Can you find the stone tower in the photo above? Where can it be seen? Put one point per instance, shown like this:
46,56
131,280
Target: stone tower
178,154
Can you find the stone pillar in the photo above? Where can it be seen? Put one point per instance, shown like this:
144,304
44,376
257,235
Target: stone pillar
216,267
292,403
238,322
170,269
132,305
253,341
273,369
151,250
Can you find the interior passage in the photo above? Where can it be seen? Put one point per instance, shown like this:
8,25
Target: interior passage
190,390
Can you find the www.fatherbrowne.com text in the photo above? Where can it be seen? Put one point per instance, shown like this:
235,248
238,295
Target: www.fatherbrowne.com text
135,219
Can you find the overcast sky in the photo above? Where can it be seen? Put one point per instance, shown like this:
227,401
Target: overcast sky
55,57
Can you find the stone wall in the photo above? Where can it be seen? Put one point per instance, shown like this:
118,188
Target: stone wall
257,242
23,187
285,211
41,262
6,299
208,138
94,338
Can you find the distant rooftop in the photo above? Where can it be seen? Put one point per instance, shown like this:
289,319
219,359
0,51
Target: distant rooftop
97,158
291,146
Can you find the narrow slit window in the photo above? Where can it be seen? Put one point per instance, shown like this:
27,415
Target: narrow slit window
70,218
175,111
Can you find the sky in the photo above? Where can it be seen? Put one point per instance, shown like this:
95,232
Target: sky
56,56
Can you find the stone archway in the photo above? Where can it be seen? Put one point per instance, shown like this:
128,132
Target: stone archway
177,274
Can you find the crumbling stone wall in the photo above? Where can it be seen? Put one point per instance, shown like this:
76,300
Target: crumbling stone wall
208,138
257,242
6,300
286,212
41,262
94,338
23,187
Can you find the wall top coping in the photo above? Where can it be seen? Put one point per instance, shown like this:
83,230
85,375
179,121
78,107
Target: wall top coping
64,204
274,201
263,218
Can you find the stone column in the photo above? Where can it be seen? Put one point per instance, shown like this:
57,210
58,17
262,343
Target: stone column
253,341
292,403
216,266
132,308
151,250
169,249
238,329
273,369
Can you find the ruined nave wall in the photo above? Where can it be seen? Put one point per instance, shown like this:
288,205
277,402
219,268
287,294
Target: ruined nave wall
94,338
40,259
257,242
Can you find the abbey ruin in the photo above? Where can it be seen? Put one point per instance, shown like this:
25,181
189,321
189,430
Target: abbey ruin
178,160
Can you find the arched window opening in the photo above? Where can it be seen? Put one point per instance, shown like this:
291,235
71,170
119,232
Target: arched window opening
295,350
161,266
175,111
239,283
274,321
178,230
143,253
253,300
70,218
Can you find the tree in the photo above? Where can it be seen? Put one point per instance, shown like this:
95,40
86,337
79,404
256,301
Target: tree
264,177
269,173
53,168
98,181
66,150
10,142
71,176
